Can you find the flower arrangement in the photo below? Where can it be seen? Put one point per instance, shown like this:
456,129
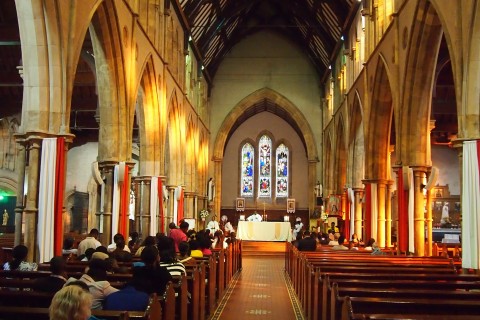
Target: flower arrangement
204,213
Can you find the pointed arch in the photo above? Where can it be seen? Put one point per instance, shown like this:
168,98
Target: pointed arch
356,147
175,159
425,39
379,125
148,116
340,164
285,106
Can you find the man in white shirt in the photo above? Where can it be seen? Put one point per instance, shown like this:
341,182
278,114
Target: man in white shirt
89,242
255,217
213,225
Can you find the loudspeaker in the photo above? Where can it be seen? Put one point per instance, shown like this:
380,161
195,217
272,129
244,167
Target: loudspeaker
319,201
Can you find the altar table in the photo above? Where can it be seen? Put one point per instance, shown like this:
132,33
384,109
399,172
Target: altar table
264,231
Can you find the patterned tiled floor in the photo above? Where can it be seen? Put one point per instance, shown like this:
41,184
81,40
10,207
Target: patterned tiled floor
260,291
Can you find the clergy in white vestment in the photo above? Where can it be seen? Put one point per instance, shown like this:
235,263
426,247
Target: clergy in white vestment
255,217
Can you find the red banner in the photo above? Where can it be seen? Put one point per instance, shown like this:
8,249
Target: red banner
59,187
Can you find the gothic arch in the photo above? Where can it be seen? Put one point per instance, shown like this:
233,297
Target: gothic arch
282,103
174,156
414,131
379,125
114,120
148,115
356,148
340,164
190,155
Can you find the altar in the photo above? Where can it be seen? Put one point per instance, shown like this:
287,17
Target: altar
264,231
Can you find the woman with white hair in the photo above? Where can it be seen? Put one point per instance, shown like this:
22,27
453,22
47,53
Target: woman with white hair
227,226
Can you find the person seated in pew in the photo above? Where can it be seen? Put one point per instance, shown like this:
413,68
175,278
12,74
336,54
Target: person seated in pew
96,280
205,242
195,250
68,248
134,241
219,240
168,259
120,254
333,239
369,245
232,238
151,277
87,255
130,298
308,243
355,240
340,245
183,255
18,262
148,242
89,242
116,239
56,280
71,303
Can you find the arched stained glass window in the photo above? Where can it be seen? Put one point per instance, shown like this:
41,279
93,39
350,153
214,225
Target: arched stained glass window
282,161
265,167
247,174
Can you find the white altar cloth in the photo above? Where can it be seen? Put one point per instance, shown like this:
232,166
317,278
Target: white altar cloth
264,231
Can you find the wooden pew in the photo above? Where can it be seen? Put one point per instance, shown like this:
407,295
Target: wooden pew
418,292
443,308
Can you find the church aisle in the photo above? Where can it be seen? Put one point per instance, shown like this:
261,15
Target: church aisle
260,291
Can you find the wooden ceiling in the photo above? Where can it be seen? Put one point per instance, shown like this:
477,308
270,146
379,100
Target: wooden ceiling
316,26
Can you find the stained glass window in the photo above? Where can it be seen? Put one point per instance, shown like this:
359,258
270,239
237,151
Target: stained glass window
282,171
264,167
247,174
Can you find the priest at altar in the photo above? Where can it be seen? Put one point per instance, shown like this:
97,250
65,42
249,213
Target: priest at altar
255,217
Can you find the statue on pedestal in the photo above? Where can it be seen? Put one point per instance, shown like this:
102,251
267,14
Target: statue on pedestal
5,217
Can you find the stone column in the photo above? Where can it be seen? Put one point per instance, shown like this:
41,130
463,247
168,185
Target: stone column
381,192
189,204
218,185
312,178
429,220
31,209
128,185
20,169
358,219
419,210
388,214
142,205
107,169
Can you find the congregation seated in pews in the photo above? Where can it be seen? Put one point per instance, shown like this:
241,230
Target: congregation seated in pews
171,289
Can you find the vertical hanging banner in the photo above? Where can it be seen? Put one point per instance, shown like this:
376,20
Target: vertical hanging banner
59,187
402,234
180,205
368,211
124,200
153,205
471,205
160,201
46,200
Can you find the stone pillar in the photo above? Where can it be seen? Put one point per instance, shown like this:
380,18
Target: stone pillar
358,219
107,169
142,205
20,169
388,214
128,185
381,192
31,209
218,185
419,210
429,221
312,178
189,199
